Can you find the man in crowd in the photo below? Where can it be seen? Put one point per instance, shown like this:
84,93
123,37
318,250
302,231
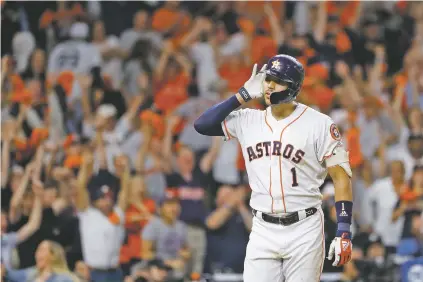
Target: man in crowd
165,237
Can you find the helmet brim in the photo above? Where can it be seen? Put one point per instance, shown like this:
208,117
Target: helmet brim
278,80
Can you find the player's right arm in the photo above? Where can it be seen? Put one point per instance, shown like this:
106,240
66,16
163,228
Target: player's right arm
210,122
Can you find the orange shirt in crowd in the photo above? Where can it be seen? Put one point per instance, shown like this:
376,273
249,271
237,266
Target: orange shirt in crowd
321,95
352,136
164,19
262,48
400,81
173,93
49,16
256,8
314,88
156,120
132,249
342,42
66,80
235,76
346,13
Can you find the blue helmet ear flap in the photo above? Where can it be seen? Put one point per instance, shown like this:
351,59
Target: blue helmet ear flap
285,96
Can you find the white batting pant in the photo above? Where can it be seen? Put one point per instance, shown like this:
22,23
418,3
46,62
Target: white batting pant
294,253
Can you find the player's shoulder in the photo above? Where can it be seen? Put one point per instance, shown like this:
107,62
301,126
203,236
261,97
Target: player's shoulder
315,113
317,118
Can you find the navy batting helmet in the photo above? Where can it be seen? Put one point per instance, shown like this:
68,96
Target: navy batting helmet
285,69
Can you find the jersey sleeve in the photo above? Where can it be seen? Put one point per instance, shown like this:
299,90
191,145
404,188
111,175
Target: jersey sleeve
232,124
328,138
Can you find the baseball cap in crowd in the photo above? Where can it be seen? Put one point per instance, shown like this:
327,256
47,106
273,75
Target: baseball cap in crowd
107,110
79,30
23,43
96,192
103,178
171,195
370,20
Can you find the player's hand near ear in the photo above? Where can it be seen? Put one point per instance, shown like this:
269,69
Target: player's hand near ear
253,88
210,122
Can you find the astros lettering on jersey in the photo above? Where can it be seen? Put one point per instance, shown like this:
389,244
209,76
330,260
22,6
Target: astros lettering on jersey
284,158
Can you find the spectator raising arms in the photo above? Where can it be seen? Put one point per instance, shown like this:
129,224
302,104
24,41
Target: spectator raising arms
229,225
97,209
10,240
51,265
166,238
98,103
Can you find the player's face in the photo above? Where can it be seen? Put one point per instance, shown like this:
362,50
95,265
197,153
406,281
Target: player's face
270,86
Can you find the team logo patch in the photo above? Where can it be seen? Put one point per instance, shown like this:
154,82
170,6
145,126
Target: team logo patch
276,65
345,245
334,131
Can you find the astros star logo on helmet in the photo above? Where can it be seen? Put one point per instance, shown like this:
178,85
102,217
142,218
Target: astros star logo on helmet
276,65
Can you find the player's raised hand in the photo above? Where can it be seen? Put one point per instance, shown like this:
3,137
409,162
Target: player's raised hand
340,250
253,88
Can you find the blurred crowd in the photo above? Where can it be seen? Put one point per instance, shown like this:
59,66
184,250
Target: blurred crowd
104,178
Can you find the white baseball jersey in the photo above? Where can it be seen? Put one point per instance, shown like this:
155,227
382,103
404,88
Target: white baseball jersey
73,55
285,158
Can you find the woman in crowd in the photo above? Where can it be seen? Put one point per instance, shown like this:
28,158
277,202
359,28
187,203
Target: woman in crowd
51,266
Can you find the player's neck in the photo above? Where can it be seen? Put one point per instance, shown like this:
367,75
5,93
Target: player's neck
282,111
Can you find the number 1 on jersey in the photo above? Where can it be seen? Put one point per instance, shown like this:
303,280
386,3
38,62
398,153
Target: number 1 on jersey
294,177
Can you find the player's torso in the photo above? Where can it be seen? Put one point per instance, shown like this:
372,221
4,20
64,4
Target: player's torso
283,169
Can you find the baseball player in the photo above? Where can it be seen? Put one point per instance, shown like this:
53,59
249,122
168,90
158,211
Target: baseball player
288,149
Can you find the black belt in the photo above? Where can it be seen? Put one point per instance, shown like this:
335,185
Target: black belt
112,269
286,220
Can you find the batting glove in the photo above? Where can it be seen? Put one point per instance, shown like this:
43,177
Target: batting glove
341,248
253,88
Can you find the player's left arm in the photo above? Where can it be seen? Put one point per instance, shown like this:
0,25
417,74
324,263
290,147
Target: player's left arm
335,158
341,246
